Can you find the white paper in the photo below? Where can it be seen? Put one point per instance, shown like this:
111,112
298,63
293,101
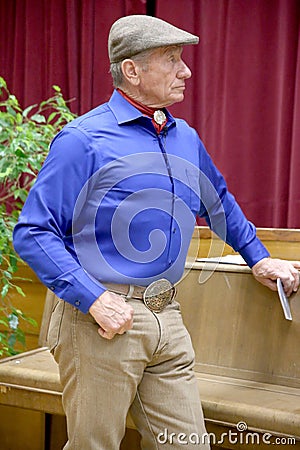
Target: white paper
283,300
228,259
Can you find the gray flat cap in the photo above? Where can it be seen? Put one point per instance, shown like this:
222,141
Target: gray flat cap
130,35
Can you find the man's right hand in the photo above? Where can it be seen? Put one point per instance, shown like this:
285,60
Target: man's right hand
112,313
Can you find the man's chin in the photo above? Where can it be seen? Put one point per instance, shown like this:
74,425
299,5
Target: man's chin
176,99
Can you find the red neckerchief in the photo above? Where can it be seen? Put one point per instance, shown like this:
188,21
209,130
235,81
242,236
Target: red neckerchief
145,110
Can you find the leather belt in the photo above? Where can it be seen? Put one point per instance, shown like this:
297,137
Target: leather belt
128,290
156,296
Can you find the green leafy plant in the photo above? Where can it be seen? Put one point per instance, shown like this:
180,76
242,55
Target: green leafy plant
25,135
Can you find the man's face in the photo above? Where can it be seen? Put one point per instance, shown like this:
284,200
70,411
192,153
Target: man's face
162,82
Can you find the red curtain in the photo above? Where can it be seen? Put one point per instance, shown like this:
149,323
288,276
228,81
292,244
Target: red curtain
243,98
62,42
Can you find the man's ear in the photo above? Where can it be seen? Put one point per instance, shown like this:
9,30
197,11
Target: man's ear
130,72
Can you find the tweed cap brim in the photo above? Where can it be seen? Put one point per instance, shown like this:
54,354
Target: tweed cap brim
131,35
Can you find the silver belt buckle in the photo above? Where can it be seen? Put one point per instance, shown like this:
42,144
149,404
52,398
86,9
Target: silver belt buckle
158,295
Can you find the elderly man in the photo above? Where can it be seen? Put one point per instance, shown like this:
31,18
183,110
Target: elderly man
107,227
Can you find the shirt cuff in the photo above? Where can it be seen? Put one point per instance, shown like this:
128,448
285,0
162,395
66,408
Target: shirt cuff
254,252
78,289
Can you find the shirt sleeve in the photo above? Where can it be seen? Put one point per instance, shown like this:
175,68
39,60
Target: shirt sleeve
45,223
223,214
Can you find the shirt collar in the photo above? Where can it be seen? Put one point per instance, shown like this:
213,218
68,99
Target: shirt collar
124,112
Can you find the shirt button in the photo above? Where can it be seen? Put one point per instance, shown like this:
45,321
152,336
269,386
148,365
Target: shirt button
77,303
52,288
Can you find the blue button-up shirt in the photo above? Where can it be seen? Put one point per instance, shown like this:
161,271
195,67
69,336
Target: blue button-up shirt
116,202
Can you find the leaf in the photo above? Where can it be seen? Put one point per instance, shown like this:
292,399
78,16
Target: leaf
52,115
20,291
7,274
3,83
28,109
12,340
23,195
2,322
21,337
19,118
39,118
13,262
11,111
31,321
4,290
13,321
7,172
20,153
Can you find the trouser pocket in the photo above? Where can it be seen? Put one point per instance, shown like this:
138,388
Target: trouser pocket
55,325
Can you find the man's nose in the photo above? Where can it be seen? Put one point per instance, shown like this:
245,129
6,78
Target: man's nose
184,71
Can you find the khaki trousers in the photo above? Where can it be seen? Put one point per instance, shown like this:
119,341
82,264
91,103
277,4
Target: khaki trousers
148,370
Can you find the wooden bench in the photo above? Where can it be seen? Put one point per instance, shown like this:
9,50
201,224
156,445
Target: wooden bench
247,354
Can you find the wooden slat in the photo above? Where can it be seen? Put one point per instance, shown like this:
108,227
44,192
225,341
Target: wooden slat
265,234
281,243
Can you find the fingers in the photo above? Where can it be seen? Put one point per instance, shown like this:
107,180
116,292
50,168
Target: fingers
268,270
296,264
290,277
108,334
290,284
113,314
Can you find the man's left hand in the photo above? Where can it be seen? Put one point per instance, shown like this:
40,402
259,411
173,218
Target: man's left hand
267,270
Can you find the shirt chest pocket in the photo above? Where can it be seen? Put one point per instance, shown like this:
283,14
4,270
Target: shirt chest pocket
187,188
